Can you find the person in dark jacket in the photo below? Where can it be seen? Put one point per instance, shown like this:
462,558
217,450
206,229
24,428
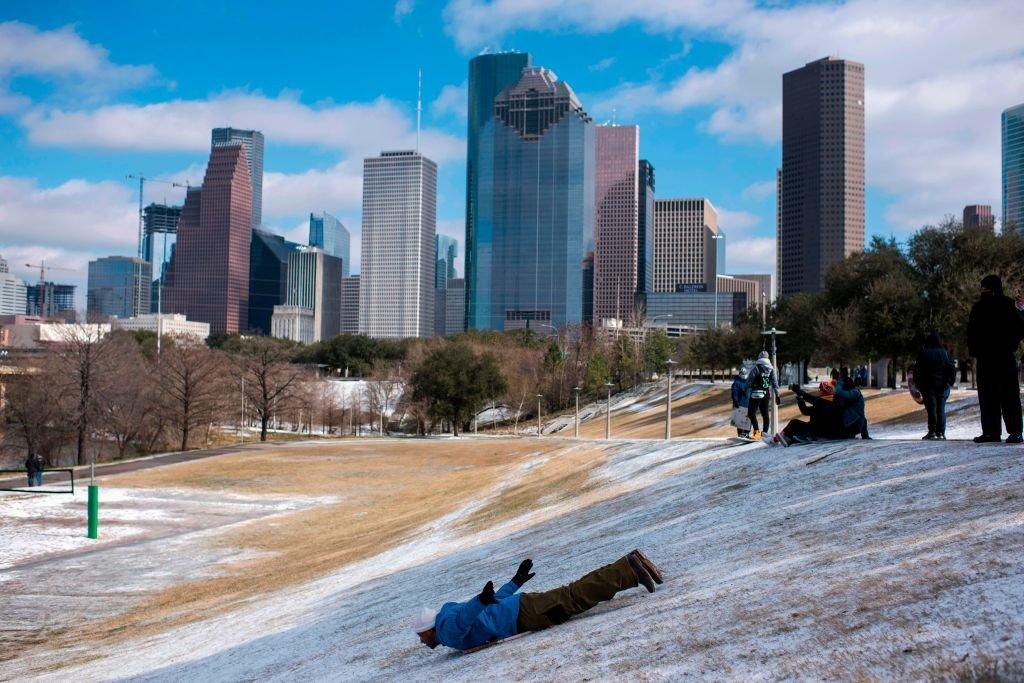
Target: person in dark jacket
994,331
492,616
824,415
764,385
850,402
34,466
934,374
741,397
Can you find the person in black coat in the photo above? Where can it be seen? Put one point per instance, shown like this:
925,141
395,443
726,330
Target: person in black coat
994,330
34,466
934,374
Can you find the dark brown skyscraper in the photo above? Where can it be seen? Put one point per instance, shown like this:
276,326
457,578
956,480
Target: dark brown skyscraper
821,213
979,216
209,281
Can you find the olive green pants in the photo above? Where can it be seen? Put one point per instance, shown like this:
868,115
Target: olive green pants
538,611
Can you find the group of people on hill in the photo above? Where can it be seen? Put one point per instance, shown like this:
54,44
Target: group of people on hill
837,412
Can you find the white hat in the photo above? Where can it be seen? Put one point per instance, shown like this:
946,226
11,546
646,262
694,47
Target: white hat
425,620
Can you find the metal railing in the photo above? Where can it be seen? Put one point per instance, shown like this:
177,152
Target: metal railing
38,489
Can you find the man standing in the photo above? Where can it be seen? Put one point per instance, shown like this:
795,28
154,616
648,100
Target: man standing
763,385
492,616
34,466
994,331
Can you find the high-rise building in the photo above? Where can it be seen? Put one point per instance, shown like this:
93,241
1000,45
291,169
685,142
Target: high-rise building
979,216
253,142
685,248
446,252
645,228
587,287
118,286
50,300
1013,168
822,189
455,307
268,277
160,228
489,74
296,323
616,221
534,206
331,235
314,283
208,279
764,280
396,284
13,292
350,305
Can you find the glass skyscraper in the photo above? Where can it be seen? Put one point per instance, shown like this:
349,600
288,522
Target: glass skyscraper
534,207
268,277
488,75
447,250
328,233
1013,168
645,229
119,286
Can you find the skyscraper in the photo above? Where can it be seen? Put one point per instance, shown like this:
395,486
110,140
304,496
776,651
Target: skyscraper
685,249
488,75
616,221
253,141
13,292
268,277
331,235
50,300
208,279
534,206
979,216
350,305
645,228
446,251
118,286
1013,168
314,284
821,219
396,284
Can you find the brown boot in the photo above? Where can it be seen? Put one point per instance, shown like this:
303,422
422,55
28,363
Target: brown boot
651,568
642,576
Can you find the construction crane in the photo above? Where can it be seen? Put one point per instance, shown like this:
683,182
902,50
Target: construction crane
142,182
42,282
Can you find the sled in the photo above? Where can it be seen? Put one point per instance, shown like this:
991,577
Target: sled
492,644
915,393
742,440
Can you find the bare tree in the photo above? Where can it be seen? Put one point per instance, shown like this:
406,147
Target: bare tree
383,389
128,400
82,360
192,384
34,410
271,380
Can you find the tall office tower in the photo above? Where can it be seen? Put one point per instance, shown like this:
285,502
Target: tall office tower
764,281
13,292
488,76
822,188
645,228
160,227
1013,168
396,284
331,235
314,284
253,141
446,252
979,216
50,300
685,250
268,277
616,221
587,287
208,279
455,306
350,305
534,207
118,286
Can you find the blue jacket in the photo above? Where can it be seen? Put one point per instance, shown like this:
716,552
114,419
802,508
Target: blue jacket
851,401
465,625
740,392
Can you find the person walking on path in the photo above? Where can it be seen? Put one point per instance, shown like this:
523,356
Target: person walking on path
740,403
994,331
763,385
34,466
492,616
934,374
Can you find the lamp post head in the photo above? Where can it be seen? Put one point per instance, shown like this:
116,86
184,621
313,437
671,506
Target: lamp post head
577,389
671,362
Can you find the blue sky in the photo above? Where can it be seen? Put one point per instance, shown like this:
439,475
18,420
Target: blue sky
90,92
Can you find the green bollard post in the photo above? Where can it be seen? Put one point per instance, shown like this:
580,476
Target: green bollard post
94,511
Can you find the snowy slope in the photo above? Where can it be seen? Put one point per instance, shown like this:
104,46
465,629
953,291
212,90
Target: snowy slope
886,559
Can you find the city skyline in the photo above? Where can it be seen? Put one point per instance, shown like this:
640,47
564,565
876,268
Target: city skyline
148,110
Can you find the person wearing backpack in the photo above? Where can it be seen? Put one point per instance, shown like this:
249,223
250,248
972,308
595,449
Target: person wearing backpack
763,385
934,374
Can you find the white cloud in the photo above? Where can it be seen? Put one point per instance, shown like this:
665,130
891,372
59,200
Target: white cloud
736,223
762,189
451,101
403,8
602,65
932,109
754,255
336,189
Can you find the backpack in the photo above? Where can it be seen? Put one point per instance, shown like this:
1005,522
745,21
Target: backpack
760,383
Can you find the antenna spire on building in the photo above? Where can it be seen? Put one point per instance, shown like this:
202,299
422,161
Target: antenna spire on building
419,104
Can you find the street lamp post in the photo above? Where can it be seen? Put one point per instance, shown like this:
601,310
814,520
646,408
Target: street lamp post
539,397
576,424
668,401
608,412
773,333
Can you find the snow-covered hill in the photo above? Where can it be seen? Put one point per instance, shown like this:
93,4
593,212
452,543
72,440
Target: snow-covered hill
886,559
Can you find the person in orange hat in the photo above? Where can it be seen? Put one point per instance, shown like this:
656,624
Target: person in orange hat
822,411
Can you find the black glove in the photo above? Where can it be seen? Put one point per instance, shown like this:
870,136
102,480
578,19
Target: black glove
487,594
778,400
523,574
